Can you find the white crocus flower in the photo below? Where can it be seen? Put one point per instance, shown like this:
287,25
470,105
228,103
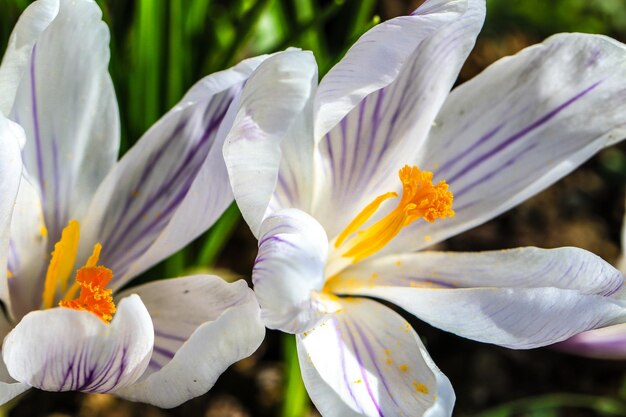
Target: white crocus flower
67,327
315,168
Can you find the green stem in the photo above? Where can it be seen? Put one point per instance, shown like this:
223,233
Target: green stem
218,236
295,397
175,265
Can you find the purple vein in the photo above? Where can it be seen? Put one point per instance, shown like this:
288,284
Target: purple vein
366,381
523,132
33,97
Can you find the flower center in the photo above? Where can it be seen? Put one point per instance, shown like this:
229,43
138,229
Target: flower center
91,279
421,199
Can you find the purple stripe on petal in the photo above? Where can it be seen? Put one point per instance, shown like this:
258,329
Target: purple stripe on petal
372,355
507,164
366,381
35,110
142,220
162,191
164,335
443,169
164,352
342,359
520,134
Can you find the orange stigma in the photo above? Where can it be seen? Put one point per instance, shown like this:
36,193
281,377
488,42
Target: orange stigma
94,296
421,199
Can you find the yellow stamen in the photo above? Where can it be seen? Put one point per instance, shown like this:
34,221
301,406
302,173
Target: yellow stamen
363,216
94,296
421,199
95,255
62,262
91,262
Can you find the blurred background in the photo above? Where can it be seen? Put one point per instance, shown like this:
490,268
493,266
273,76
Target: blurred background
160,48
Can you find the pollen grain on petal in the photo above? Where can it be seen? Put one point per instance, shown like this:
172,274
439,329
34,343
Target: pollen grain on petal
419,387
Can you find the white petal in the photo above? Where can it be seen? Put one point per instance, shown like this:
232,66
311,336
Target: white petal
289,271
376,59
296,175
274,97
202,326
519,298
521,125
178,306
172,185
31,23
67,106
28,250
606,343
367,361
68,350
364,152
9,388
10,174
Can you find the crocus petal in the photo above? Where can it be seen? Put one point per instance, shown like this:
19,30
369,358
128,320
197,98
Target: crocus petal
10,173
28,250
296,175
9,388
289,271
172,185
202,326
377,58
69,350
364,152
521,298
31,23
521,125
66,104
368,361
274,97
606,343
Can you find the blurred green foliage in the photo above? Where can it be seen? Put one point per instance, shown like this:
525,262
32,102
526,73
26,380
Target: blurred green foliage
545,17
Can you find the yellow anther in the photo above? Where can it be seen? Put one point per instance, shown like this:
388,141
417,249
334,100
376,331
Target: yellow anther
62,263
43,231
421,199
